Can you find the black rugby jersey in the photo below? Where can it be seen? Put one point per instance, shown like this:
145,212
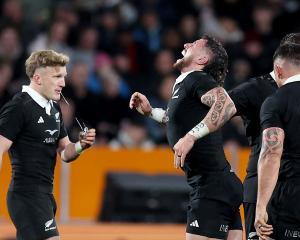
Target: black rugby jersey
248,98
282,110
184,111
35,136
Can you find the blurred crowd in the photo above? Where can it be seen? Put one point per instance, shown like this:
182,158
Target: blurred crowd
117,47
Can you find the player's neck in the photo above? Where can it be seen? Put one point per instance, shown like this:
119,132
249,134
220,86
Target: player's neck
192,68
37,89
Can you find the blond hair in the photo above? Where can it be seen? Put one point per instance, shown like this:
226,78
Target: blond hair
44,58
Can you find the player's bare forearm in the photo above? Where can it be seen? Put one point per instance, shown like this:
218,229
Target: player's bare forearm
71,151
221,110
268,164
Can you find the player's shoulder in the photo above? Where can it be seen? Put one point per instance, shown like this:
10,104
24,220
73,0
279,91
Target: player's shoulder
199,78
261,80
200,74
255,85
19,100
22,98
255,82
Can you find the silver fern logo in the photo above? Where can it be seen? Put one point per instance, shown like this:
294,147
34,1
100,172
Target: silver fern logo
48,225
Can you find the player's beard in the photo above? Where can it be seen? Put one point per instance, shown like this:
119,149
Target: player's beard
179,64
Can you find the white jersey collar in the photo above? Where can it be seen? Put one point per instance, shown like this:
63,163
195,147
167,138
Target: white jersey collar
273,75
295,78
37,97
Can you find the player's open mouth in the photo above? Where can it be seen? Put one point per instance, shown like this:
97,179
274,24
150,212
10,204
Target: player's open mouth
183,52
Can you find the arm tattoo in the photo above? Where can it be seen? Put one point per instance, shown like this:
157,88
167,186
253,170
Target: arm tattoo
272,142
221,108
229,112
208,99
218,107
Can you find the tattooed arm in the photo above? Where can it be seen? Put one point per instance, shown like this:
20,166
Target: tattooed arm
221,110
268,169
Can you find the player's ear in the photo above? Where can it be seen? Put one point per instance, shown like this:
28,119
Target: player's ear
202,60
36,78
278,71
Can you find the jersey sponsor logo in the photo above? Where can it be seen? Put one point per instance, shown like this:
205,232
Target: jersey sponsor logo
252,236
174,94
41,120
292,234
223,228
48,225
51,132
49,140
194,224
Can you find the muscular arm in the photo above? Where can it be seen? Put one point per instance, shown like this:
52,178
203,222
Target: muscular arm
221,108
268,164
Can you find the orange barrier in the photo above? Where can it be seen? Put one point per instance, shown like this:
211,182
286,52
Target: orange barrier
87,175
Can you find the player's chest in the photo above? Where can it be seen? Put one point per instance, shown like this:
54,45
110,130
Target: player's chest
180,102
43,128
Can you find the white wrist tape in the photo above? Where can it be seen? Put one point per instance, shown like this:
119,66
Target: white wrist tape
157,114
199,131
78,147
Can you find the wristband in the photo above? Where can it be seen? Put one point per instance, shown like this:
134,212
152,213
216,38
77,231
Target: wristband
78,147
157,114
199,131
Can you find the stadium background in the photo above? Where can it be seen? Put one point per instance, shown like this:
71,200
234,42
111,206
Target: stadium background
117,47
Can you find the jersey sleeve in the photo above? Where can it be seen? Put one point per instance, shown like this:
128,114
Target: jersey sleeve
199,83
241,96
11,119
270,114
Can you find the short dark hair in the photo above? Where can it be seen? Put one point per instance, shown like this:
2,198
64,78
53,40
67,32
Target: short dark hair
291,38
289,51
217,65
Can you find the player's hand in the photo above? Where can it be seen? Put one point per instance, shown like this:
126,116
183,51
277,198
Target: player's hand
140,103
182,148
263,229
87,138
